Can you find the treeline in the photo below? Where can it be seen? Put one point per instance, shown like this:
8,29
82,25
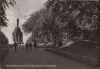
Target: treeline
3,19
63,19
3,38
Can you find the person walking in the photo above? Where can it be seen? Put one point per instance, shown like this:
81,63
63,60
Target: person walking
15,47
26,46
35,44
30,46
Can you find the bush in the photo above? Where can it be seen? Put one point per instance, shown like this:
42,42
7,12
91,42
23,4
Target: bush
3,38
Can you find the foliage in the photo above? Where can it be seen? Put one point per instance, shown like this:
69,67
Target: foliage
42,25
32,23
3,5
3,38
77,16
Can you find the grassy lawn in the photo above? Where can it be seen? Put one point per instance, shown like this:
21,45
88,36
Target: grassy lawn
84,51
3,50
6,45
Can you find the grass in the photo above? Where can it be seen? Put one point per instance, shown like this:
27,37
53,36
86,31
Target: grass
3,50
84,51
6,45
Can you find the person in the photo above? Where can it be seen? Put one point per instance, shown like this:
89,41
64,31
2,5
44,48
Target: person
35,43
26,46
60,43
30,46
15,47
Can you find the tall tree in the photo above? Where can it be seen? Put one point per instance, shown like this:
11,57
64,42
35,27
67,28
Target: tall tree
3,6
33,22
77,15
41,23
3,20
3,38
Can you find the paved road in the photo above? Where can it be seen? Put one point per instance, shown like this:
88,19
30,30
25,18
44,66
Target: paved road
40,59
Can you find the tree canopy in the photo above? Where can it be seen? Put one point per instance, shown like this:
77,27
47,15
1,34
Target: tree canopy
3,38
3,6
32,22
3,19
76,18
83,13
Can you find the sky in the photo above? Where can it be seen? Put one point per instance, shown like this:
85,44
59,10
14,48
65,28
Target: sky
26,7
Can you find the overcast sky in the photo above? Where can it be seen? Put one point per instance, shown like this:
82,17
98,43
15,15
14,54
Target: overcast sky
26,7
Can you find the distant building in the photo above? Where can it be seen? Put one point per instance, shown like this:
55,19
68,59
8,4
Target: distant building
17,34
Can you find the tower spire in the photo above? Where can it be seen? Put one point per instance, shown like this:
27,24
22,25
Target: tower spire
17,5
17,22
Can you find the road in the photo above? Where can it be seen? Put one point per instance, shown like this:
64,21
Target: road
40,59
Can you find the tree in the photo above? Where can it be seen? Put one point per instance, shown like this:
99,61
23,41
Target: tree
3,5
3,38
42,24
33,24
3,20
77,16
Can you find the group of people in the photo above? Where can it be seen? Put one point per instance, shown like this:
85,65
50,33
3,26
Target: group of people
28,46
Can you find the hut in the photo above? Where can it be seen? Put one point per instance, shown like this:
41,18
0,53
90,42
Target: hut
17,34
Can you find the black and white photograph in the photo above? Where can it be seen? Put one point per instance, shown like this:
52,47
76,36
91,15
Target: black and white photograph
49,34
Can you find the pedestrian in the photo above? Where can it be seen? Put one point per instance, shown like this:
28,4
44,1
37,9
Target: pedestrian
59,43
15,47
35,43
30,46
26,46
